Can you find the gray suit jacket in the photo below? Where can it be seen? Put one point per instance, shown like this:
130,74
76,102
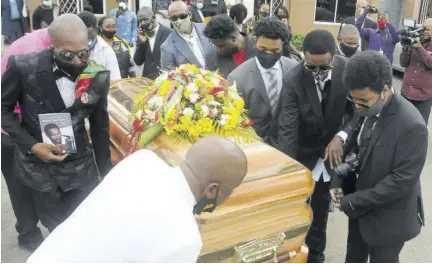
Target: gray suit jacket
250,85
175,51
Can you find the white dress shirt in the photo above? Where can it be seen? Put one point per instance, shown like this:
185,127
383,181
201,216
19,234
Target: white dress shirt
266,74
152,39
320,167
141,212
194,43
105,56
67,90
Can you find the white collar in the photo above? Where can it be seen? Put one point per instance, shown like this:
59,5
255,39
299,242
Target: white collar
101,44
156,29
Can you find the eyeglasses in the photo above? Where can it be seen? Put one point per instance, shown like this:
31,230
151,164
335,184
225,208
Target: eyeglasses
351,100
69,55
312,67
179,16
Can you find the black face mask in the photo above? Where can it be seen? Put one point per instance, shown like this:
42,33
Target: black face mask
148,28
69,68
205,204
267,60
108,34
347,50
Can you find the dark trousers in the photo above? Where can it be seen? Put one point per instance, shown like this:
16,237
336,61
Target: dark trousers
316,238
20,196
358,251
424,107
54,207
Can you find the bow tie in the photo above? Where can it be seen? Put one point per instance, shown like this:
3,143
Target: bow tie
61,74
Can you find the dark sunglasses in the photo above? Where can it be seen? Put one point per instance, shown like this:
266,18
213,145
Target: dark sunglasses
311,67
69,55
176,17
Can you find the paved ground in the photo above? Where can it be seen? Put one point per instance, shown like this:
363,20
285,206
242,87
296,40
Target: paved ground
417,250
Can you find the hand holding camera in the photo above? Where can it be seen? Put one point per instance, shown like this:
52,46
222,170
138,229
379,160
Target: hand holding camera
370,9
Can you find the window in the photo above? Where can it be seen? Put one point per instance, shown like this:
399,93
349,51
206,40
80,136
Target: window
334,11
98,6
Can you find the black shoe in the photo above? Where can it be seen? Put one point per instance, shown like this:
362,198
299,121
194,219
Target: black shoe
30,243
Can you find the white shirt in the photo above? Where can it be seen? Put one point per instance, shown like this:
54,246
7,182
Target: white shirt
67,90
194,43
152,39
105,56
320,167
140,212
265,73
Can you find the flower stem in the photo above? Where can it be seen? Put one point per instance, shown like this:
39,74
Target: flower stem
149,134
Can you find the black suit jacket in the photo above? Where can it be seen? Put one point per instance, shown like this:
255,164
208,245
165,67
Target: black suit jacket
388,203
196,18
30,81
369,23
304,130
151,59
226,64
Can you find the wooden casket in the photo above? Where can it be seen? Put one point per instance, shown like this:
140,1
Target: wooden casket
266,218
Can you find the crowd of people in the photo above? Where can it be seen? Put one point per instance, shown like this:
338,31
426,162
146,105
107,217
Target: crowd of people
332,107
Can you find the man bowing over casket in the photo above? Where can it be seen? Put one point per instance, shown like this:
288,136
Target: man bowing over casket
144,209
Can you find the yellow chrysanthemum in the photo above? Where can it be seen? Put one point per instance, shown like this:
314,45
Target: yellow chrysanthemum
205,125
232,121
186,120
191,68
209,98
239,103
198,106
186,92
164,88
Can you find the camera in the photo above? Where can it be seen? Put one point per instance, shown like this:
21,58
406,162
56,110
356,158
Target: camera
371,9
412,34
350,165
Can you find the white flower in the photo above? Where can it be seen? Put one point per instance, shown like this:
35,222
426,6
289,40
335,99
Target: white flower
193,98
191,86
213,112
216,82
214,103
223,119
188,111
155,102
150,114
235,96
138,113
205,110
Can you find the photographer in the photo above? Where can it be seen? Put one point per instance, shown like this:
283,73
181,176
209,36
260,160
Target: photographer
126,22
385,210
383,39
417,82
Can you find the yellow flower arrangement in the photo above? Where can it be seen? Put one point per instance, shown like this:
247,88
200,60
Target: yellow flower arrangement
190,103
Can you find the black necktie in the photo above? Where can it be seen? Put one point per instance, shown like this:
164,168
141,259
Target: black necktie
366,134
324,94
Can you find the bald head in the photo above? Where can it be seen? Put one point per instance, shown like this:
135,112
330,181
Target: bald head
145,12
68,32
178,7
214,166
348,31
360,4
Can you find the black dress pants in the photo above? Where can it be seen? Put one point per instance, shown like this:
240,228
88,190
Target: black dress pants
316,238
358,251
54,207
424,107
20,196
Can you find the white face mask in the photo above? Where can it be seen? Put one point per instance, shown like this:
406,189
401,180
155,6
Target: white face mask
361,11
47,3
182,25
199,5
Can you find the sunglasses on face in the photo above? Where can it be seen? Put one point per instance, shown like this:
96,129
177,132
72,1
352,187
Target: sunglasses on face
312,67
177,17
69,55
362,105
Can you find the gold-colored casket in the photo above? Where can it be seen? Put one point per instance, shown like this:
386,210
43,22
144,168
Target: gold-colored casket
265,219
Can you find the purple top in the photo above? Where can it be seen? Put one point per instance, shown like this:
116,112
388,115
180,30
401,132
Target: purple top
379,39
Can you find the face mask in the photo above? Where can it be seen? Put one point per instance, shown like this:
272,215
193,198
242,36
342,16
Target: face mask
92,44
361,11
108,34
267,60
373,110
205,204
381,23
123,6
348,50
47,3
71,69
320,75
199,5
264,14
182,25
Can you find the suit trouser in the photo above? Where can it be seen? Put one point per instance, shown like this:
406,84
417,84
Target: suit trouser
20,196
358,251
424,108
54,207
316,238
